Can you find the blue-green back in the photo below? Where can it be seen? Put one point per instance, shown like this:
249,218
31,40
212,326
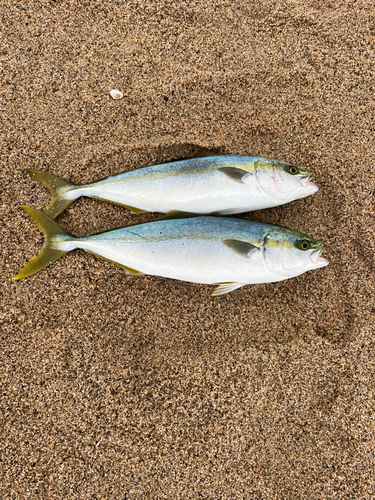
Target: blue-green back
201,227
191,166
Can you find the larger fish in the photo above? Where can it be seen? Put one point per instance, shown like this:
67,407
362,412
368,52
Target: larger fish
226,252
210,185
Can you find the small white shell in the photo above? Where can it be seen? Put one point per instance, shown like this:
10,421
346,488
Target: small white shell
116,94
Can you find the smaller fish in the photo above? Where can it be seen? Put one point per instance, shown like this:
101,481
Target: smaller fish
229,253
221,185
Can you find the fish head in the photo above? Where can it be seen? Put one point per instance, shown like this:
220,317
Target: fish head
282,181
288,253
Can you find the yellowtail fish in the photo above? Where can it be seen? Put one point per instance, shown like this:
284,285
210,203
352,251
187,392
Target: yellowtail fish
212,185
226,252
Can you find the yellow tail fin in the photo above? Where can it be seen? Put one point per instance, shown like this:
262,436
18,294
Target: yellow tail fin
54,236
54,184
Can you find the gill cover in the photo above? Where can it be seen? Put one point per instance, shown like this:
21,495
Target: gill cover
282,255
282,181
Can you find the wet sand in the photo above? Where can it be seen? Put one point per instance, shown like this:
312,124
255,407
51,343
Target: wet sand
118,387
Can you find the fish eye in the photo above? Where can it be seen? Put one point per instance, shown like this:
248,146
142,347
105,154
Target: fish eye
304,245
293,170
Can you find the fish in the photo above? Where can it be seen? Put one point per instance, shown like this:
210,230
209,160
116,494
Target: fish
222,251
218,185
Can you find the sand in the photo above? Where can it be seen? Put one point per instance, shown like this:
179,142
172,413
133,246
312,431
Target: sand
118,387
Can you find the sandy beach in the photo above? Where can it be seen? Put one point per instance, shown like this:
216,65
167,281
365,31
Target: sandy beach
121,387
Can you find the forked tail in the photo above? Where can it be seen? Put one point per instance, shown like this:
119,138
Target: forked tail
54,237
57,188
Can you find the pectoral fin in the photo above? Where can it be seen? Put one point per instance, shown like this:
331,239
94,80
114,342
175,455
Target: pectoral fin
242,248
226,288
236,174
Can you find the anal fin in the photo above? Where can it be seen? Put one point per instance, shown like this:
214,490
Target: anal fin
226,288
128,270
176,214
134,210
230,211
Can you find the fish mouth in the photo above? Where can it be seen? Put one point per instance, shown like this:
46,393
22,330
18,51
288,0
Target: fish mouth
308,182
317,259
